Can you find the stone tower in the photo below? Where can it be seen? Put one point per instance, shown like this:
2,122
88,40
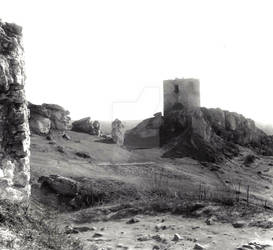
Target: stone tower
14,127
180,93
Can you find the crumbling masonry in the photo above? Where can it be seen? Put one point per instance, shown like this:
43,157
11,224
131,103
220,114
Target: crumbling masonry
14,128
180,93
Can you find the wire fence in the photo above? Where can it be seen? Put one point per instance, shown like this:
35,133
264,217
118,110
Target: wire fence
226,194
236,194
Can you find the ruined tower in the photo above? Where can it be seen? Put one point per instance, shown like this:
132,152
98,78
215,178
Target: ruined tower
180,93
14,128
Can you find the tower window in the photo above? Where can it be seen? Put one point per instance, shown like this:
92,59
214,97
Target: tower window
176,89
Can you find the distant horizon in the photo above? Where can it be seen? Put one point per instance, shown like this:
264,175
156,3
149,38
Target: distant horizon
96,58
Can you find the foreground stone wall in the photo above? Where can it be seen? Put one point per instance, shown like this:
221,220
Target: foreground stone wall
14,128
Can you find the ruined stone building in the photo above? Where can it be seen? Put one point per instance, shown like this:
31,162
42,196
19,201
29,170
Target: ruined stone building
181,93
14,128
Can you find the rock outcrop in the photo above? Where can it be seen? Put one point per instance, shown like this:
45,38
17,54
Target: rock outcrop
86,125
14,126
189,134
212,134
60,185
118,131
207,135
45,117
146,134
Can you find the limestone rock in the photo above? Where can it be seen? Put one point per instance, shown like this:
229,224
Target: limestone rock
61,185
239,224
14,114
198,247
118,131
48,116
133,220
176,237
59,117
146,134
96,128
40,125
189,134
86,125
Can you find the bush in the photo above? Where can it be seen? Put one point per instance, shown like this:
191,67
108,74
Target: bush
249,159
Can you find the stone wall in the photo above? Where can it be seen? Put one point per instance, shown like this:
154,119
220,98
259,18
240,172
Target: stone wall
181,93
14,128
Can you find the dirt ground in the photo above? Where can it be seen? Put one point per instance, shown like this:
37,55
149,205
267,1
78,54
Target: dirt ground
144,235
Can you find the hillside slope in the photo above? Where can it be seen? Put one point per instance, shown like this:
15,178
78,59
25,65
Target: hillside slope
127,177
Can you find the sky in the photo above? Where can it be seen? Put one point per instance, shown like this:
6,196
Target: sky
107,59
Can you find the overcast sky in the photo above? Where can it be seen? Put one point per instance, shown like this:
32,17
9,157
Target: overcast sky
108,58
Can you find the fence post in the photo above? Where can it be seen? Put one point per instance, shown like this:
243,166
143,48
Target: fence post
239,191
247,195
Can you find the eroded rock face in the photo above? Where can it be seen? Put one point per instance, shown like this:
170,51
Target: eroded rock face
211,134
14,114
207,135
146,134
118,131
232,126
48,116
189,134
86,125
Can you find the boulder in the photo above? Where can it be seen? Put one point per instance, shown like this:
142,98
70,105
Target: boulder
85,125
60,185
59,117
97,128
40,125
118,131
146,134
45,117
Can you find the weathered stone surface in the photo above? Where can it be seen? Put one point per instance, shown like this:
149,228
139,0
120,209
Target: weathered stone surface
146,134
118,131
232,126
61,185
181,93
48,116
40,125
14,114
86,125
208,135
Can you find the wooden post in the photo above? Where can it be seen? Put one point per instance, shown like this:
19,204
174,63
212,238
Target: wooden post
247,195
239,191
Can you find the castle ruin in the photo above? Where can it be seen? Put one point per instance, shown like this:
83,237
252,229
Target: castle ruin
14,127
181,93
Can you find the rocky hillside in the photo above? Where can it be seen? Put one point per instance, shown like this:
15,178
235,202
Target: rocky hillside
209,135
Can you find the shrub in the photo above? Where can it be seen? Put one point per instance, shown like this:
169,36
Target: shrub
249,159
